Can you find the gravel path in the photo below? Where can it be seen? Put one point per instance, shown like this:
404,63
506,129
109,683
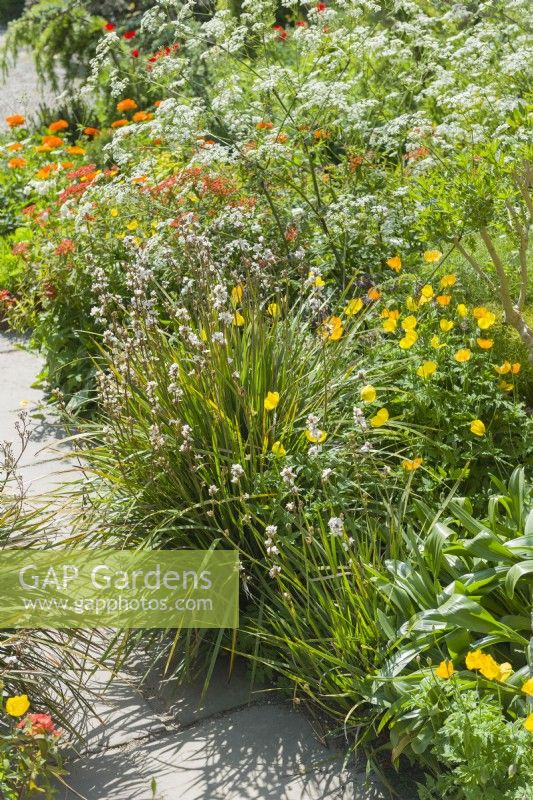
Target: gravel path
20,92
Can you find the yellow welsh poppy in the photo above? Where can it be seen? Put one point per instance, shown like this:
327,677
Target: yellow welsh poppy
395,263
426,369
477,427
463,355
271,401
432,256
381,418
445,670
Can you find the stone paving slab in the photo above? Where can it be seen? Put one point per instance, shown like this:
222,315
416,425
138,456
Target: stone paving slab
41,466
187,703
264,752
120,713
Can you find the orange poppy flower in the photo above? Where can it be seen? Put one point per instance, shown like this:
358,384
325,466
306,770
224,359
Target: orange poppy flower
444,299
142,116
119,123
15,120
16,163
45,171
395,263
91,131
374,294
127,105
76,151
15,147
52,141
58,125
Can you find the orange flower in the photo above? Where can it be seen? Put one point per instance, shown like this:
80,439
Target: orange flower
16,163
374,294
15,120
58,125
516,367
321,133
91,131
52,141
127,105
142,116
119,123
444,299
485,344
76,151
264,126
45,171
15,147
395,263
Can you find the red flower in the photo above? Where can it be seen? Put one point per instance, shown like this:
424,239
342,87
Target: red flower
282,33
129,35
7,298
109,26
135,53
20,249
320,7
300,23
291,233
81,172
36,724
50,291
65,246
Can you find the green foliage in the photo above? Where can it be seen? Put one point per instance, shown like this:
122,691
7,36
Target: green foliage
466,586
11,266
273,226
481,753
9,9
62,34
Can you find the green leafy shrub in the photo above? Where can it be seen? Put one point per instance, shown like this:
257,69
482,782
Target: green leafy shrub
480,751
465,589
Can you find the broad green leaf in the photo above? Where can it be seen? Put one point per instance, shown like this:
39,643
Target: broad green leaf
516,573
